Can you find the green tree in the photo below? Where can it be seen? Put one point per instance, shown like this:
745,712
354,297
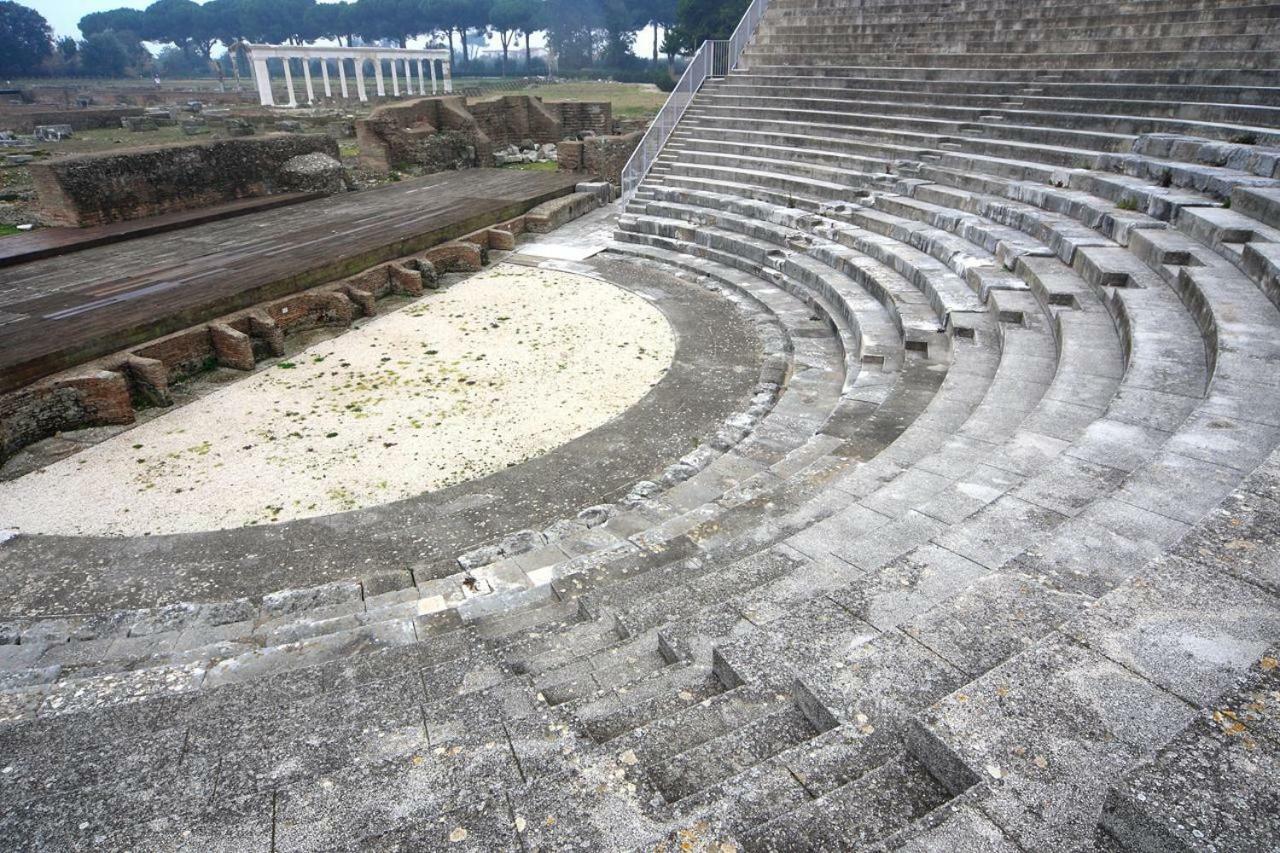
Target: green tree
454,16
104,54
224,20
170,21
620,20
331,20
120,20
573,30
661,15
25,39
126,24
699,20
508,17
536,23
399,20
275,21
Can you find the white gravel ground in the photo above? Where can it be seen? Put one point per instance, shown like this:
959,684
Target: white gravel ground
492,371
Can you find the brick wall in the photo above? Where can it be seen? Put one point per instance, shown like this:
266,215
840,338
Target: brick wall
93,189
90,398
601,156
435,133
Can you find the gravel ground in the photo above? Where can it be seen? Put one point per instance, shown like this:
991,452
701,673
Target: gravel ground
463,382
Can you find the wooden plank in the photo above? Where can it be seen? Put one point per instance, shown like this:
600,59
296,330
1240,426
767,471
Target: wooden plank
58,242
64,311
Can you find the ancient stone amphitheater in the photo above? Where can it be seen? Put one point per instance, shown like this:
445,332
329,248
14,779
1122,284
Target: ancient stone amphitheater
983,555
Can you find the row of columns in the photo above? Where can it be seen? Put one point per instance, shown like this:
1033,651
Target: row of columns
402,61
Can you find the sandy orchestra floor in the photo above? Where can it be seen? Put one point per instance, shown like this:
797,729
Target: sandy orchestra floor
463,382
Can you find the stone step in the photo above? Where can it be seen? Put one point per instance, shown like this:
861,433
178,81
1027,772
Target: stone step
629,706
658,740
1238,740
1154,73
806,102
1124,57
859,813
695,769
609,668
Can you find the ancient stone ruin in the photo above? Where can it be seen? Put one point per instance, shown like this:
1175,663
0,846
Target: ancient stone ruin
94,189
951,524
436,134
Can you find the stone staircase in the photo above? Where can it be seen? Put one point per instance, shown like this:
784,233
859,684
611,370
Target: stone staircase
986,562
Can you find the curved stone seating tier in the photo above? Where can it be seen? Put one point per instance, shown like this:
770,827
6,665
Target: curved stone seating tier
1130,36
973,569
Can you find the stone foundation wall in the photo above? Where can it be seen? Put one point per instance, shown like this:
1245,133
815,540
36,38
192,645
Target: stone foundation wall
437,134
90,398
94,189
602,156
579,116
443,133
25,120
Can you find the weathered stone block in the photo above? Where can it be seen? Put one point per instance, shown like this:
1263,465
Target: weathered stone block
263,328
314,173
405,280
93,189
501,240
550,215
150,379
231,347
103,396
53,132
457,257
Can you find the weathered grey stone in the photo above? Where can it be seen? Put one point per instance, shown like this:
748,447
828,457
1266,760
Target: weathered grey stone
314,173
336,594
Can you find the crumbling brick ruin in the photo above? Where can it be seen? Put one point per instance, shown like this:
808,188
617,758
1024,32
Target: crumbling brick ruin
603,156
94,189
437,134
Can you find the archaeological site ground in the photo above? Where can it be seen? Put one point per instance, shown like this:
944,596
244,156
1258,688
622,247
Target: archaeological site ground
877,450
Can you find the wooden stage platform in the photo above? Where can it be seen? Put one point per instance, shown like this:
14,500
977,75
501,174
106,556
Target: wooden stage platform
58,312
56,242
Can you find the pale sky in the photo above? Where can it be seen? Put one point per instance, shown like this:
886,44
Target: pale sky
63,15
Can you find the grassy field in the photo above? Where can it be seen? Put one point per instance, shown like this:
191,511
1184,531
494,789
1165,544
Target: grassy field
8,230
630,100
105,139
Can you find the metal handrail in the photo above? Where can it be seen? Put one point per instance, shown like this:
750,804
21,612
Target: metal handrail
714,58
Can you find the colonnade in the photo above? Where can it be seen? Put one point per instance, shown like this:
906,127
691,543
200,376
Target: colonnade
403,63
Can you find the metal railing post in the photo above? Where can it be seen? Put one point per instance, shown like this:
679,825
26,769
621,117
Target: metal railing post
712,59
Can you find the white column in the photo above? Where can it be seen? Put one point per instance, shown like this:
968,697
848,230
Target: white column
288,82
262,76
306,75
377,76
395,80
324,72
342,77
360,90
422,83
431,65
448,79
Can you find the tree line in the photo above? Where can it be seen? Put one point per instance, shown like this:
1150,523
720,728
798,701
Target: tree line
583,33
